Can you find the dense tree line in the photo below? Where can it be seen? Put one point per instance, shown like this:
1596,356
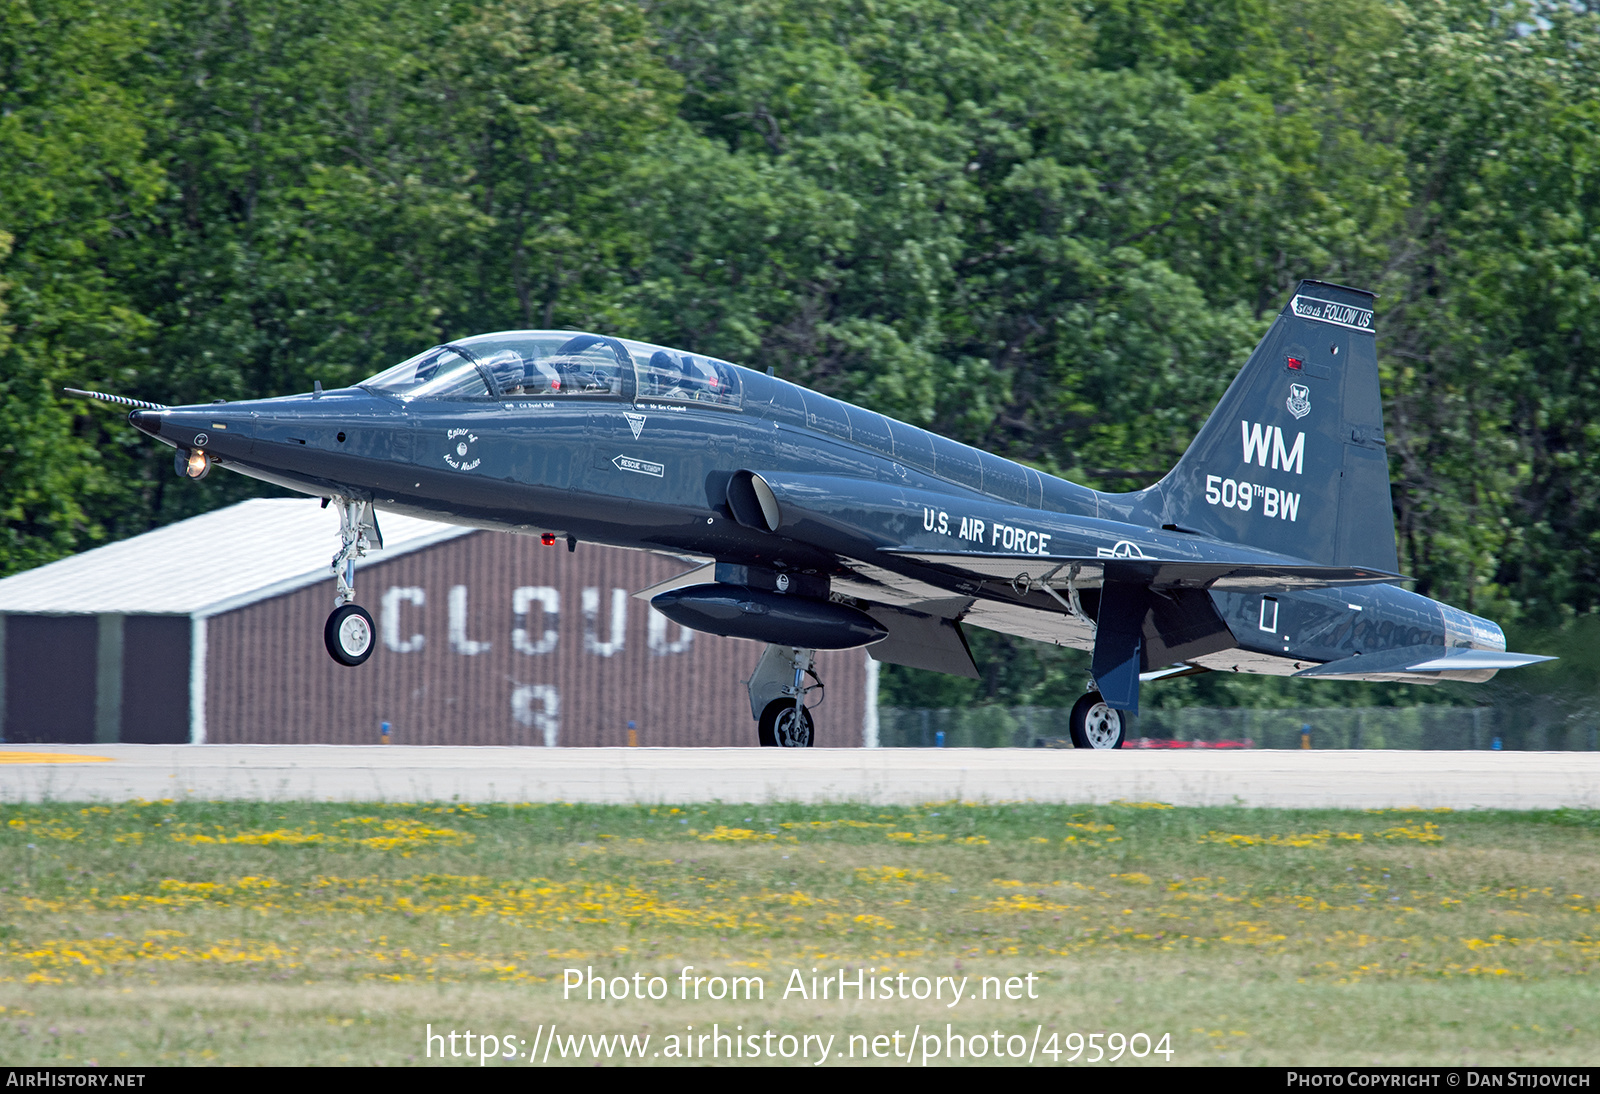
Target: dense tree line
1053,230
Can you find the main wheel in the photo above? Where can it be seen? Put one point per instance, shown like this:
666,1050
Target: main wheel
348,634
1096,725
779,728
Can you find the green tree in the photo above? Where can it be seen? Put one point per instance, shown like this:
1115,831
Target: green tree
75,180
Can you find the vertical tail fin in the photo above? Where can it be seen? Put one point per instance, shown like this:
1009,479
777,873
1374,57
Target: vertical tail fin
1293,459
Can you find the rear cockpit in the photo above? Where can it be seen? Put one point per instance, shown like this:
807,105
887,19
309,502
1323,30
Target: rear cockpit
560,365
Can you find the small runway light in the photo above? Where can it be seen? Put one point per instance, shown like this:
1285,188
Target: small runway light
548,539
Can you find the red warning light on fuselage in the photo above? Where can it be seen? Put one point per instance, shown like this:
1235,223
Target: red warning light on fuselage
1296,364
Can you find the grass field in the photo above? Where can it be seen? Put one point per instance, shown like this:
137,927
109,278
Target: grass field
243,933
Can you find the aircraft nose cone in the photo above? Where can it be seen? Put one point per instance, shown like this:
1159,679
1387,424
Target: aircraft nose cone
147,421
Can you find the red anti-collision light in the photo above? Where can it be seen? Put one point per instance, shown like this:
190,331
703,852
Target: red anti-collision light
1296,363
548,539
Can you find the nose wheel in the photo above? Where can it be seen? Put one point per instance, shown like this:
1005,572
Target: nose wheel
783,725
1094,724
778,693
349,634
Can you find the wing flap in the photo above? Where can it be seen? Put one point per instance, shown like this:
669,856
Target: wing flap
922,642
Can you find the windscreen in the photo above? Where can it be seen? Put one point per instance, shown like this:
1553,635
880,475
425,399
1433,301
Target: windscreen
442,372
558,365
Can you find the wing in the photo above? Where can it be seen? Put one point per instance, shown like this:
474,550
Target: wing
1055,571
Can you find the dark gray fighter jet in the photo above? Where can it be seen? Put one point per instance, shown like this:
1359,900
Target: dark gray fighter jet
1269,548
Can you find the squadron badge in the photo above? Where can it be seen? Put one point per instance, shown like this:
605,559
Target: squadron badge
460,451
1299,401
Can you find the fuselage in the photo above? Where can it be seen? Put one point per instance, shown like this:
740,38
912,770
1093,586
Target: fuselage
626,468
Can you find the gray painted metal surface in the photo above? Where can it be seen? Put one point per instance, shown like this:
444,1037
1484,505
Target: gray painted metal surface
1286,779
50,669
108,680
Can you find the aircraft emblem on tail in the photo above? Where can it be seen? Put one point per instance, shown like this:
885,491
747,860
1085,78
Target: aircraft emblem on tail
1299,401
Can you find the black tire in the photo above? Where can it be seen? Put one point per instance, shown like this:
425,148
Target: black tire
778,728
1095,725
349,635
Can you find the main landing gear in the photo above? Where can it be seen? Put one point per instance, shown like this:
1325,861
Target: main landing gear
778,697
1094,724
349,634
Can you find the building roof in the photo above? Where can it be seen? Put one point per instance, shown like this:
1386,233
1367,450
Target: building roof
211,563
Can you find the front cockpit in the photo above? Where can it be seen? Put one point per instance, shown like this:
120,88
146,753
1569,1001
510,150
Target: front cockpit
560,365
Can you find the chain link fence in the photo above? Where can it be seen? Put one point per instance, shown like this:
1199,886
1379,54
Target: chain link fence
1523,727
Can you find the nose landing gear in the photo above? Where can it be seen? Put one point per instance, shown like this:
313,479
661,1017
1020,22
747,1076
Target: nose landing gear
777,697
349,634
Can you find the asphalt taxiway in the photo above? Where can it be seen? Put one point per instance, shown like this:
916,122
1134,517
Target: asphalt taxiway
1282,779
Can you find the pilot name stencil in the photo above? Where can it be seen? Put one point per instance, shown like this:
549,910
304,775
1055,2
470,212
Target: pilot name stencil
458,452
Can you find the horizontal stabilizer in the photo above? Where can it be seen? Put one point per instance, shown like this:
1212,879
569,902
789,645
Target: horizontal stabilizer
1057,570
1423,659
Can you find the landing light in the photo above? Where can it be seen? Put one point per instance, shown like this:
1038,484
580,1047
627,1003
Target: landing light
193,465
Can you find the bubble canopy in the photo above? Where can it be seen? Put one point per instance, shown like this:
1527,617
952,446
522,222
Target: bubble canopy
544,364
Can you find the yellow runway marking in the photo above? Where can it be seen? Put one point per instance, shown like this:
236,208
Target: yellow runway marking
51,758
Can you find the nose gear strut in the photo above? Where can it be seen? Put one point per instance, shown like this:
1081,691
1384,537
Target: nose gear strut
349,633
358,533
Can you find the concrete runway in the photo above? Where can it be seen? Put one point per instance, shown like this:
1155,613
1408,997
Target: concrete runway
1295,779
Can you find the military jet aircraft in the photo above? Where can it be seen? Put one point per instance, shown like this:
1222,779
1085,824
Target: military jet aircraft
1269,548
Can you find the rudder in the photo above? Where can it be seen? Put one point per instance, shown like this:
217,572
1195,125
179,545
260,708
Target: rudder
1292,459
